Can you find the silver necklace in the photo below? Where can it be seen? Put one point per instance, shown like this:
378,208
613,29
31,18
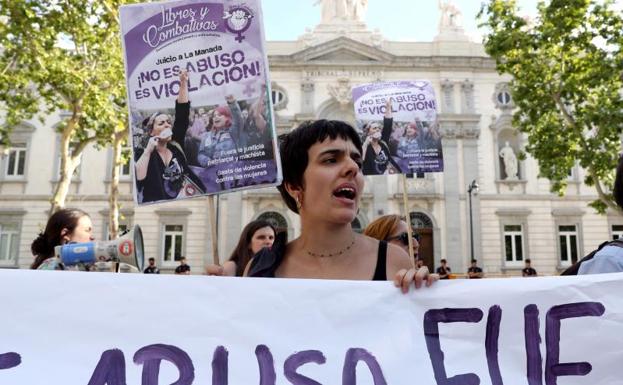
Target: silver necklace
339,252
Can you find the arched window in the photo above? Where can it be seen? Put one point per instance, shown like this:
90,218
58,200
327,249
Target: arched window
420,221
356,224
275,219
504,98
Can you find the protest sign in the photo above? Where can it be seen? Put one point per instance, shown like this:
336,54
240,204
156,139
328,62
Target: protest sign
407,138
76,328
225,139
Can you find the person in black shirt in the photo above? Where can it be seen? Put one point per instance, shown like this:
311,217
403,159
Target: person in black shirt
444,270
474,271
183,268
152,268
528,271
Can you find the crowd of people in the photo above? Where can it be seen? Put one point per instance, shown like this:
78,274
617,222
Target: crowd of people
391,147
172,151
322,183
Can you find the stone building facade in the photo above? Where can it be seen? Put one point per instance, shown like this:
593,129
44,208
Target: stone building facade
513,217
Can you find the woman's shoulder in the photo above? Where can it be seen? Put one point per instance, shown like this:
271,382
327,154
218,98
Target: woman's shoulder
397,259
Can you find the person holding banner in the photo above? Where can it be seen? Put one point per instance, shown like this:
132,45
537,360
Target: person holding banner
377,158
323,182
64,226
255,236
393,229
162,171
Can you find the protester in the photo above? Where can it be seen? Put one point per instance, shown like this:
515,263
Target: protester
323,182
183,268
444,270
377,158
608,258
474,271
67,225
393,229
254,237
225,135
152,268
161,167
528,270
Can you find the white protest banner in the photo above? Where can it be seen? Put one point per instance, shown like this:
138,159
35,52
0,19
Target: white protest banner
72,328
224,139
405,139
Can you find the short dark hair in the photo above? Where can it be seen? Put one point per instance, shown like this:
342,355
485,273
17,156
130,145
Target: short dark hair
294,145
152,259
474,261
528,260
443,260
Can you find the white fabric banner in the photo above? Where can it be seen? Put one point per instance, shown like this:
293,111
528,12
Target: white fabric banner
97,328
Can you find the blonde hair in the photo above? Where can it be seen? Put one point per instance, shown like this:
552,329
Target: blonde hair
382,227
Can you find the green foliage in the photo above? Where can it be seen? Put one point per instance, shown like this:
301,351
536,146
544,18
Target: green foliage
566,67
63,56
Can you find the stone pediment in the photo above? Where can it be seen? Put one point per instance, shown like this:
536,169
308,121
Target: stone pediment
342,49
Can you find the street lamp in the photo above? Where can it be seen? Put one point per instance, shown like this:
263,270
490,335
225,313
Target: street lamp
473,187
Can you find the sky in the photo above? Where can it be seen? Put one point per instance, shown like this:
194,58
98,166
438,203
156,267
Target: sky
400,20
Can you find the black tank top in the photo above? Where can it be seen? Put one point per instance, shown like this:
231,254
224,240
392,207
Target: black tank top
266,262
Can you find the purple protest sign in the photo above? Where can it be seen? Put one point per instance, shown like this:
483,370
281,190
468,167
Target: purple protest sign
211,131
400,128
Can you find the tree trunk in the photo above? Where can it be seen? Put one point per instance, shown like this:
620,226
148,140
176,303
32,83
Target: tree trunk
68,165
113,199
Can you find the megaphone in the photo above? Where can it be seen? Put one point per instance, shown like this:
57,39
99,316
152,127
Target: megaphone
127,250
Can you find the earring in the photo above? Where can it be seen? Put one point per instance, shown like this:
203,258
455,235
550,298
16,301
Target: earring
298,203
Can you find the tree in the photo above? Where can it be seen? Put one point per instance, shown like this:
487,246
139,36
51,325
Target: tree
63,56
566,68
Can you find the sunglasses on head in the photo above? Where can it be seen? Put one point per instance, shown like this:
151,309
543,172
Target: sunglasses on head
404,238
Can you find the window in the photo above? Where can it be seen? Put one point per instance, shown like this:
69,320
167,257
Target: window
277,220
278,96
16,161
8,243
173,243
125,170
617,232
513,243
568,238
504,98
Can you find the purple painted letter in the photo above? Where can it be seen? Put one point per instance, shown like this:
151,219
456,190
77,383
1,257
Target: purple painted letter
151,356
266,364
353,356
9,360
299,359
534,369
432,318
553,367
110,369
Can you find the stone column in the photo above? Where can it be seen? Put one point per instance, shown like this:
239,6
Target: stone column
453,250
467,97
307,97
447,97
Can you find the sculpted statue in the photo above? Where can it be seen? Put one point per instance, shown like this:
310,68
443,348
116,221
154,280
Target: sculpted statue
451,16
336,10
359,8
510,162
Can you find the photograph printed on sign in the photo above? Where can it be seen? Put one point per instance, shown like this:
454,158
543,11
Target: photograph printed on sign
399,127
211,131
215,148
